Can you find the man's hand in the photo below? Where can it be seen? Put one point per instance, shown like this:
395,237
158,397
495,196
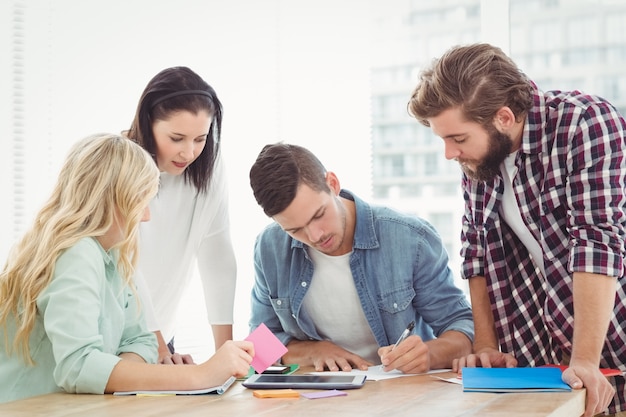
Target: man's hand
486,358
412,356
599,391
322,355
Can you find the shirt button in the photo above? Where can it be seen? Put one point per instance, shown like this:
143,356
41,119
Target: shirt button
279,302
303,284
395,305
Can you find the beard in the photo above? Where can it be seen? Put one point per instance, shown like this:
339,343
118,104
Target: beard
500,145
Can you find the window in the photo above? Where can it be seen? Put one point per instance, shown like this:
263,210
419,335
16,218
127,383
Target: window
326,74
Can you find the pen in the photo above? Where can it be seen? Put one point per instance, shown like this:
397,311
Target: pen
222,389
405,334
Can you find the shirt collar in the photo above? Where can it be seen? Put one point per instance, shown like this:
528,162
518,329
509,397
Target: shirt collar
107,256
364,231
532,136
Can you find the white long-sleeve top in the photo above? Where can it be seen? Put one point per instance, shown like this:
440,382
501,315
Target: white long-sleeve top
186,226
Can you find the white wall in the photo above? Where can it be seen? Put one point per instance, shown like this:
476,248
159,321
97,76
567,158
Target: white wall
291,70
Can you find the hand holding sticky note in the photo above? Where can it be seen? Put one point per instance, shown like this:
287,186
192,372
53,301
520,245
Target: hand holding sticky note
267,348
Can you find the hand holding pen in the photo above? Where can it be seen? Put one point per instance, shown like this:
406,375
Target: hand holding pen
409,354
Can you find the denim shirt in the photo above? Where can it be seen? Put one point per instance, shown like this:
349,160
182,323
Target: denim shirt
400,271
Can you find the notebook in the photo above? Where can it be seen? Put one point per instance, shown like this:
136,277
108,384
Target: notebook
513,380
213,390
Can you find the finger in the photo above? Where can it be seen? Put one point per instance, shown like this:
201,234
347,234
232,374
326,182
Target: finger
363,365
485,362
571,379
462,363
455,365
331,365
606,396
471,361
510,361
246,346
417,366
242,369
188,360
591,404
176,359
384,351
167,360
318,364
344,365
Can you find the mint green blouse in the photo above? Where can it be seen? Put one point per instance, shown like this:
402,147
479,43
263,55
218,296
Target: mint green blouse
86,317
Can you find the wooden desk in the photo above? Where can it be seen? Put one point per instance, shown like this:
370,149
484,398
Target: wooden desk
406,396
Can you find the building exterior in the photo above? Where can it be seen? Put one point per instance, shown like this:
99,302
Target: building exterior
561,44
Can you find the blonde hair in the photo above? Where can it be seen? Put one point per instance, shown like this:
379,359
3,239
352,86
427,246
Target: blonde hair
104,176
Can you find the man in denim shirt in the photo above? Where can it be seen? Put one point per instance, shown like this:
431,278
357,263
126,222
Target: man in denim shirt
338,280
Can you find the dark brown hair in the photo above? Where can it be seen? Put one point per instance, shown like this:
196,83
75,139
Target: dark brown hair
479,79
172,90
278,172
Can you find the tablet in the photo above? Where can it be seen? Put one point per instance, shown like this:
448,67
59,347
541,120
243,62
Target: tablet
265,381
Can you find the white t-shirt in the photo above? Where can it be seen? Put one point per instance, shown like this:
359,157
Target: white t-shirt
334,306
509,211
186,226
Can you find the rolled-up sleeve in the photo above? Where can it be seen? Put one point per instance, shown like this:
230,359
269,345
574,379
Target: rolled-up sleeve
85,312
442,304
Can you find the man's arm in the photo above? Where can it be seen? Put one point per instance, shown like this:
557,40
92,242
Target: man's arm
448,346
323,354
594,300
484,326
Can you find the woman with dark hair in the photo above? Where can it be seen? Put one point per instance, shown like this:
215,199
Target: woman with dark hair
178,121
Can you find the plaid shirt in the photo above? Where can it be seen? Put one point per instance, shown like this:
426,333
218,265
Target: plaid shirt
571,191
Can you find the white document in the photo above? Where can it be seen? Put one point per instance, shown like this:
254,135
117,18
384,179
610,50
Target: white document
213,390
376,373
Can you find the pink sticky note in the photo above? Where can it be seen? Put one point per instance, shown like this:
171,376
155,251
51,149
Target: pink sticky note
323,394
267,348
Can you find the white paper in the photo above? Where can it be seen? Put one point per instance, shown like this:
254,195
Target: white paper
376,373
213,390
453,380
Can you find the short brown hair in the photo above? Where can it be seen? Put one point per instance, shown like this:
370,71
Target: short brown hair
479,79
278,172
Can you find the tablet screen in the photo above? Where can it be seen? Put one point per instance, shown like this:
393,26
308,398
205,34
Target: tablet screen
305,381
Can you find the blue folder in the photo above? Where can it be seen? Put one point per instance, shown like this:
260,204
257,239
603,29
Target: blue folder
513,380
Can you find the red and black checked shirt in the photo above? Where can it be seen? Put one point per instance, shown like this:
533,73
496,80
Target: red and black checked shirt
571,190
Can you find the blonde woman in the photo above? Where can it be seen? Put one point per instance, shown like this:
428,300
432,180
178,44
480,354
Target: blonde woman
69,316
